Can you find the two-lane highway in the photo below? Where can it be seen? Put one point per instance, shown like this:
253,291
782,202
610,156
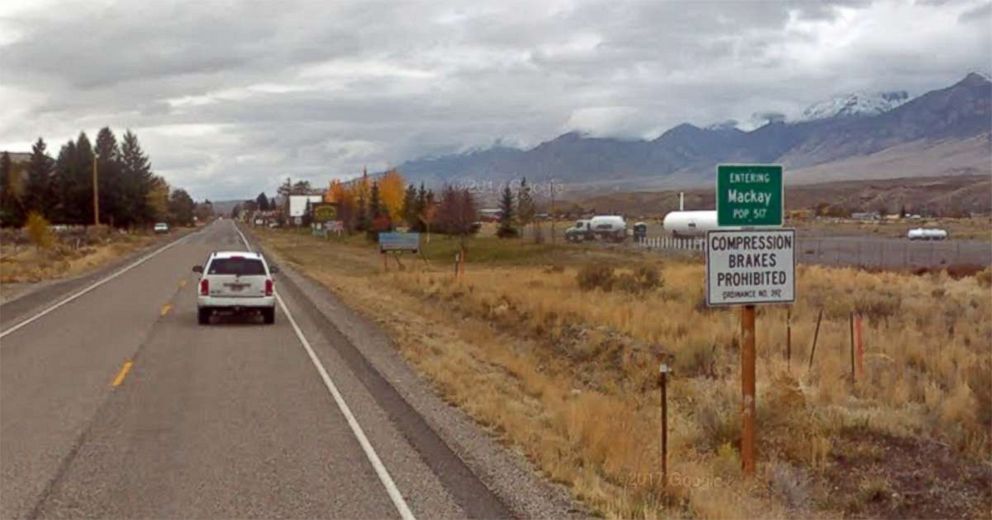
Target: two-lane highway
118,404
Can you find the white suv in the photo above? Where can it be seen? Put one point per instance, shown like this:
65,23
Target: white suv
235,281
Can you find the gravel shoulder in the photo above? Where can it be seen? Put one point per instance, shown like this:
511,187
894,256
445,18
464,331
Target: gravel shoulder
507,474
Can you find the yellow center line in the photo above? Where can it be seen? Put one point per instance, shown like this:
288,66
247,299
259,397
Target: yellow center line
122,374
166,308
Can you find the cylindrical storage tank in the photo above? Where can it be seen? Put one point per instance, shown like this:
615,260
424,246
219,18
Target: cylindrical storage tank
689,223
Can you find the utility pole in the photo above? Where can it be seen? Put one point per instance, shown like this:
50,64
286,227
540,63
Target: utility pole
96,193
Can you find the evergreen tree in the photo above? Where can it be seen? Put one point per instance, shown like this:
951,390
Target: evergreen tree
138,180
11,212
410,207
37,191
420,207
114,199
65,188
507,229
375,202
82,182
362,223
262,202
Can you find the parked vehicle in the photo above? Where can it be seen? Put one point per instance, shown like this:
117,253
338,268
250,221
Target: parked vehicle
640,231
235,281
161,227
603,227
926,234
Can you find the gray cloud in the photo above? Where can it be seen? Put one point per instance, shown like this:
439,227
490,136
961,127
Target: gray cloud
227,97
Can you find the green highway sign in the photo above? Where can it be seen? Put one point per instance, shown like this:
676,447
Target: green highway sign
749,195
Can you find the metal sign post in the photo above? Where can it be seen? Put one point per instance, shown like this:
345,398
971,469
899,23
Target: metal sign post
750,266
748,405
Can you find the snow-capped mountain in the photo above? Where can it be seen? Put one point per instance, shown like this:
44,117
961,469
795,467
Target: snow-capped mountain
855,105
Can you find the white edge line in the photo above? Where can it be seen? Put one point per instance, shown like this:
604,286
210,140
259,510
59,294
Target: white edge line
95,285
356,429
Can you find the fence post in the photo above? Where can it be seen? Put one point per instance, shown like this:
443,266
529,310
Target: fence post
788,339
816,334
851,322
663,383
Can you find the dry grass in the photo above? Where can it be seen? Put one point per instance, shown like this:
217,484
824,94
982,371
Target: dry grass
568,376
24,263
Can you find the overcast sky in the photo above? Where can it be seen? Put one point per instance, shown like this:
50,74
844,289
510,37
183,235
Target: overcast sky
229,97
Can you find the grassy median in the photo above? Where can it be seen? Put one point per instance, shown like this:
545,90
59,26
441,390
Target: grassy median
559,360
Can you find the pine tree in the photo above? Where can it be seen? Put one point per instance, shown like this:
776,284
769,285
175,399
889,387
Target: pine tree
82,183
37,192
136,175
362,222
65,179
262,202
375,202
507,229
410,207
421,208
11,212
114,199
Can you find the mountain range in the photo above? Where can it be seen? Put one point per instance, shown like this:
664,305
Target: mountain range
888,135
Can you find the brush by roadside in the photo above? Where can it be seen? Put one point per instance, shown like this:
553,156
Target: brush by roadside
564,371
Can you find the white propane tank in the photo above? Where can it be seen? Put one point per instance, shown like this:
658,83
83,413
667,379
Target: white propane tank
689,223
926,234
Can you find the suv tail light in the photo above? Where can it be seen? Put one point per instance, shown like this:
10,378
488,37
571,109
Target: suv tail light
268,287
204,287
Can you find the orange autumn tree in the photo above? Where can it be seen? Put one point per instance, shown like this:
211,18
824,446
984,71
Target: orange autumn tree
336,192
391,190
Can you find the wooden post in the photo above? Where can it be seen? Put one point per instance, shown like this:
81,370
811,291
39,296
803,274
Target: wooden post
747,390
385,261
851,323
859,345
663,383
816,334
788,339
96,193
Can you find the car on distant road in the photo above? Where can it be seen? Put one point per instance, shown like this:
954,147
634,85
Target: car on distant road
161,227
235,282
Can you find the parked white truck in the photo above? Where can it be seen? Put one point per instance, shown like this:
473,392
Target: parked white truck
603,227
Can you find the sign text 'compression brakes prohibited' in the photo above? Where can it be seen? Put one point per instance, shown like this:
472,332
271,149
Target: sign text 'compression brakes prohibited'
745,267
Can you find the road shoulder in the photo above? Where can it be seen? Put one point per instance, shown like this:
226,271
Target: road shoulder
507,474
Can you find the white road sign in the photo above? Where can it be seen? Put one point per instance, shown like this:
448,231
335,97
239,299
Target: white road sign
750,266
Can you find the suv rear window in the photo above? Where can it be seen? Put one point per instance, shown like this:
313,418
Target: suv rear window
237,265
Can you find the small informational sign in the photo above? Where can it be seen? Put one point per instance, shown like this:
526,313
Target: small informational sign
334,226
749,195
399,242
325,212
745,267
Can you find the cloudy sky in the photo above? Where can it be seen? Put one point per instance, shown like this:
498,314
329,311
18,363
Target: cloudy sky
229,97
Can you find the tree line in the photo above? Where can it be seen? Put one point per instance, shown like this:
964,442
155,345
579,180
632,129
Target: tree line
61,189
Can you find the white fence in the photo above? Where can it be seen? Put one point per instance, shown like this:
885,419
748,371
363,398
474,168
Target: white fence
667,242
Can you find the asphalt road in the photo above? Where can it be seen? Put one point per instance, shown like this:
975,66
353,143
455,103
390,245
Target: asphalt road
118,404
